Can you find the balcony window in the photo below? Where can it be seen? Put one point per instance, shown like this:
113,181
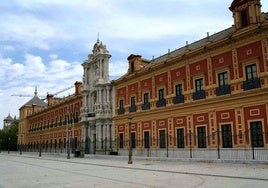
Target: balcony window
199,92
121,109
252,80
224,88
146,104
179,98
132,107
161,98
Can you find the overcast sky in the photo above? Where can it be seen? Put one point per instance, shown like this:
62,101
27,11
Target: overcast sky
44,42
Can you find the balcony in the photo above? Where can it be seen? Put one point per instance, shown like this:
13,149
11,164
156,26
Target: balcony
199,95
161,103
121,111
132,108
223,90
252,84
146,106
178,99
76,120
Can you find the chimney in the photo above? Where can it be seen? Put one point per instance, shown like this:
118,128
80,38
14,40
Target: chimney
50,99
78,87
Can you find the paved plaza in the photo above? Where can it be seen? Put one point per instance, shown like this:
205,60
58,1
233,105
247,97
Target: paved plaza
28,170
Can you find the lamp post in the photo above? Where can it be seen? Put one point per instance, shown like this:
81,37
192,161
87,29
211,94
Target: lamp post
68,144
20,144
8,145
40,149
130,144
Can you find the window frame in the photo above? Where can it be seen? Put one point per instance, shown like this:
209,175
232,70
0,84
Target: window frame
133,139
162,139
244,18
161,94
226,135
256,134
202,137
178,90
223,79
199,84
250,73
146,137
180,138
146,98
132,101
121,140
121,104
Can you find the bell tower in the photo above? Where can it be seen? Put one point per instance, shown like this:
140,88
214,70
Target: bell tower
246,13
96,112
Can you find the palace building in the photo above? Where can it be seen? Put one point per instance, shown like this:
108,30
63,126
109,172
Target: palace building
206,99
208,95
51,126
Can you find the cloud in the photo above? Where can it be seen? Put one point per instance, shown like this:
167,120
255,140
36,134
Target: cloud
9,70
118,68
53,56
34,66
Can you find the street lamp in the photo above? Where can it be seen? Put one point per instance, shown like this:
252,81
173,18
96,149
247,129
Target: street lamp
8,145
130,144
40,154
68,144
20,145
0,145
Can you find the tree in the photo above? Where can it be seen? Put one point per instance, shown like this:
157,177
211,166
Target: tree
9,137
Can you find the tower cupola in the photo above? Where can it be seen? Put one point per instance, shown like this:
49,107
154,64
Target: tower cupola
246,13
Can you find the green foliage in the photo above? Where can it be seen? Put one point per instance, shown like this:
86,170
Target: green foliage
9,137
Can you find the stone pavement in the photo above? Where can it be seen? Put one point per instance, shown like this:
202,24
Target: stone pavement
28,170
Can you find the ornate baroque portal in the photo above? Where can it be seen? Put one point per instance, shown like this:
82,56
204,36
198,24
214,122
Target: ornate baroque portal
96,111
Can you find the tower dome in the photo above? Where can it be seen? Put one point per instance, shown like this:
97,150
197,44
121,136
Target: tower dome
246,13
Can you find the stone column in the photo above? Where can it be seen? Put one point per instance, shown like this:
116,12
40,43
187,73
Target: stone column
84,139
105,136
92,139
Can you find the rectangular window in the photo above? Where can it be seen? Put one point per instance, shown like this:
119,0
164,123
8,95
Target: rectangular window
201,134
161,94
180,138
244,18
133,140
178,89
256,134
199,84
121,140
162,136
121,104
146,97
146,139
226,136
133,101
76,116
251,72
223,79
